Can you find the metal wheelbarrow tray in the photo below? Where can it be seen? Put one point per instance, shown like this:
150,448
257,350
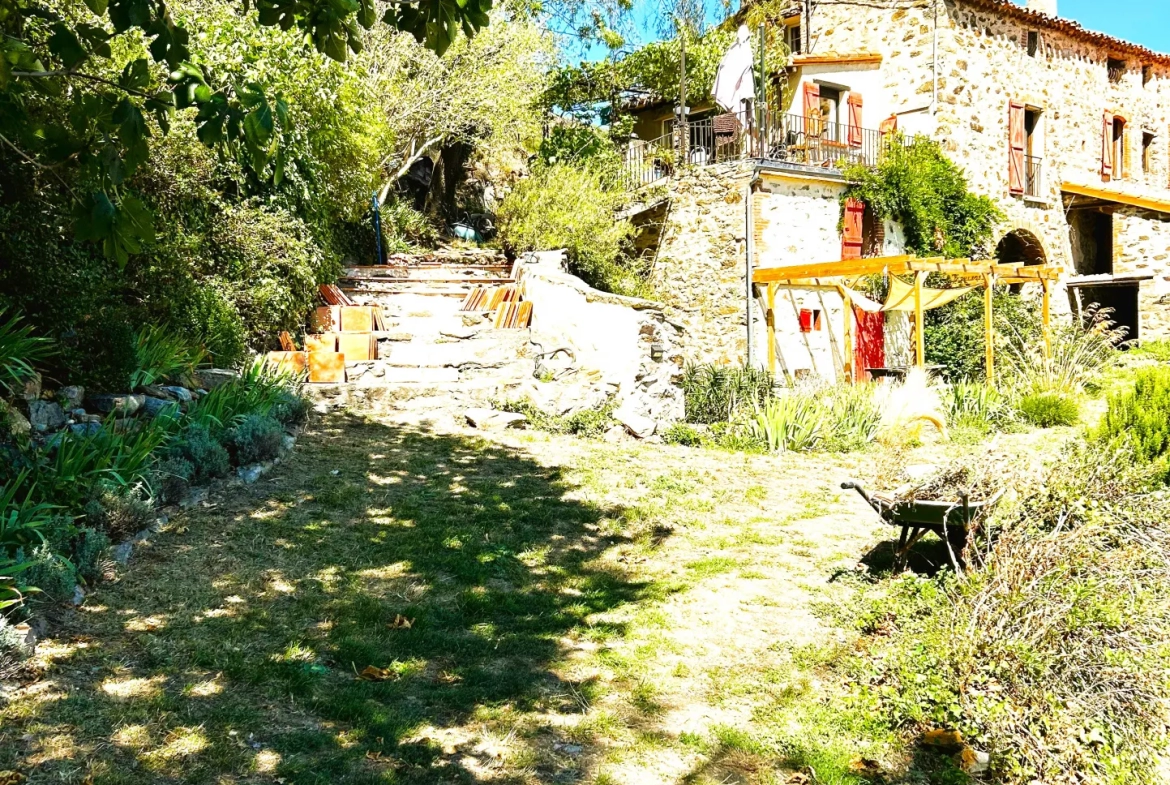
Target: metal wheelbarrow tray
950,520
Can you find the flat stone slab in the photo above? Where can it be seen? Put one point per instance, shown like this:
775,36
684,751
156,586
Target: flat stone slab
493,418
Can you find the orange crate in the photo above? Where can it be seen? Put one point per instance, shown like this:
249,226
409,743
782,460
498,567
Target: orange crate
326,319
357,319
357,347
326,342
288,362
326,367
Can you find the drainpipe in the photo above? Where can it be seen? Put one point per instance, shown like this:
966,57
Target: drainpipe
749,245
934,64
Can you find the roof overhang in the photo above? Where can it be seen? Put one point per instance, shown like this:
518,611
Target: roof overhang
1107,195
1093,281
837,58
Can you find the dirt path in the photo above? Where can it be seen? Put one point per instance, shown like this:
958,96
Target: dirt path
543,609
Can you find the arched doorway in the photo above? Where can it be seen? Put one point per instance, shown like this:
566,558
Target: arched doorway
1020,246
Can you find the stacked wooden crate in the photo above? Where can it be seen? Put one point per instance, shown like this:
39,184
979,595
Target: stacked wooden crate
506,303
339,332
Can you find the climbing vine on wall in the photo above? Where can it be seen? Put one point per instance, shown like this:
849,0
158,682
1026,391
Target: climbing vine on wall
916,185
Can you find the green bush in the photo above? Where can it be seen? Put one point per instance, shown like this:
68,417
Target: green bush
120,511
198,448
1139,417
53,576
572,207
790,423
1049,409
172,479
20,351
977,406
254,439
80,463
719,393
100,353
852,416
567,144
683,433
955,334
163,355
291,409
404,229
89,550
1155,350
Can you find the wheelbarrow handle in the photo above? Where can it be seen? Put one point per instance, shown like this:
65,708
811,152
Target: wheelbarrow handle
853,485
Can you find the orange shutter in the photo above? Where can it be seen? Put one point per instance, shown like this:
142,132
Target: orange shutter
1018,140
812,108
1107,148
854,103
851,230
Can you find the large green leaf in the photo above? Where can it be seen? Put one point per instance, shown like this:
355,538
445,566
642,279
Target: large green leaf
65,45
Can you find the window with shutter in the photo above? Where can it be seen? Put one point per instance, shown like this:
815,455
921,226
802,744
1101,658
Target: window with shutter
853,229
1017,140
812,109
854,131
1107,148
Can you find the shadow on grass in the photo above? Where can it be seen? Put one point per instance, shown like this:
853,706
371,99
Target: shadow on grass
461,568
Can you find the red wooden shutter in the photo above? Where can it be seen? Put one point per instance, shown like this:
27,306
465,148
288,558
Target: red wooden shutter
854,103
852,232
1018,139
1107,148
812,108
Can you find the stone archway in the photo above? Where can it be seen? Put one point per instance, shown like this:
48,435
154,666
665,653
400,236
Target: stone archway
1020,245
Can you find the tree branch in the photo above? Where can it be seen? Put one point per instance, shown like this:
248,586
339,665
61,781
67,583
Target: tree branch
406,165
65,74
38,164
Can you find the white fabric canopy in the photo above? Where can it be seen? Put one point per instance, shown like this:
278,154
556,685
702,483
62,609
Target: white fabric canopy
734,81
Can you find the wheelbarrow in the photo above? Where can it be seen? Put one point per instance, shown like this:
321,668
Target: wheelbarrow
950,520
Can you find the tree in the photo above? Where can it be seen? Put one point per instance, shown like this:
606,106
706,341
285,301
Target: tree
52,51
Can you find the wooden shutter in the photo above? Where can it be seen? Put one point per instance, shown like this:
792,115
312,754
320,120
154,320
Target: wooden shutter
854,132
1107,148
852,231
812,108
1018,141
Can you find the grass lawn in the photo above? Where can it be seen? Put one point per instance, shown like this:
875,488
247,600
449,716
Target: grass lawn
540,609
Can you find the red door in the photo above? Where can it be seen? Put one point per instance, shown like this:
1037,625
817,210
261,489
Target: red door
869,349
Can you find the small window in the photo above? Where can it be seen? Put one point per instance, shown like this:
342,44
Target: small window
792,38
1033,43
1147,74
1147,152
1119,148
831,112
1116,69
810,320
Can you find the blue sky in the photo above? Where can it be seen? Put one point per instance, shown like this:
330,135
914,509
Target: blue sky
1133,20
1146,22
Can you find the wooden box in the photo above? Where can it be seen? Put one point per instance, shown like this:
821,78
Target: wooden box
326,342
326,319
326,367
357,318
288,362
357,347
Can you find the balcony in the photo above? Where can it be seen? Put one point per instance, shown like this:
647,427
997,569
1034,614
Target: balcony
793,140
1033,177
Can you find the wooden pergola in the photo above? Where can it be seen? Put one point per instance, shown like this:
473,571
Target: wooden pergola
828,275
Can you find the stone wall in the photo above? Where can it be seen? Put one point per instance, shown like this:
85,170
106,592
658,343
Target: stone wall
700,266
1142,247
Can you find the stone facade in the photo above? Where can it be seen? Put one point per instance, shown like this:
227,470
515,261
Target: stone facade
1066,78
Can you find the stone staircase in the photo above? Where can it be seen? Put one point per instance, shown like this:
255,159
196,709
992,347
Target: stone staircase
430,349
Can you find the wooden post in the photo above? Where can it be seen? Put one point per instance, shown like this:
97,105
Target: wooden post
847,312
771,321
1046,317
919,337
988,332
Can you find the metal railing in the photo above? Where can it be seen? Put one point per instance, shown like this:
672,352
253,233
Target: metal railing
807,142
1034,176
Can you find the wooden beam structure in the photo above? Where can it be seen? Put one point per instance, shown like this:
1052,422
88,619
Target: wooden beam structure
919,332
989,328
1046,318
770,319
801,274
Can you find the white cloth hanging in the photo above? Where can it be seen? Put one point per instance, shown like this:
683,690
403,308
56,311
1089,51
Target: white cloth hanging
734,81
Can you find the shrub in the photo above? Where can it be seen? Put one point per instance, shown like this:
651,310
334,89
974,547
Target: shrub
198,448
717,393
955,334
1139,417
572,207
89,550
256,438
575,144
1049,409
791,422
120,511
683,433
51,574
584,422
164,355
1052,651
172,479
20,351
1155,350
258,390
1080,352
99,353
291,409
852,416
404,228
125,457
977,406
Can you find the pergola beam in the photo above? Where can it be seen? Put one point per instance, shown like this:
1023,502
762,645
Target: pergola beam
895,265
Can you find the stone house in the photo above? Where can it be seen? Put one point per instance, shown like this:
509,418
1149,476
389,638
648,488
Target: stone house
1066,129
